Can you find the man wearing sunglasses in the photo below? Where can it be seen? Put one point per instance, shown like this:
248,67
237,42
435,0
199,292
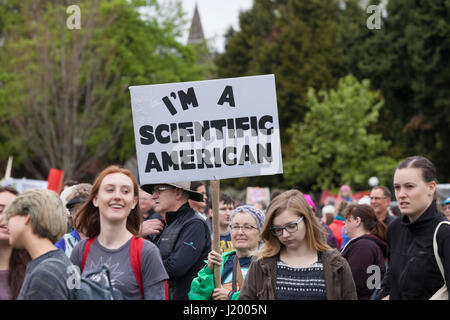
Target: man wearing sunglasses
185,240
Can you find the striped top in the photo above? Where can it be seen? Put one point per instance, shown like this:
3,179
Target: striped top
307,283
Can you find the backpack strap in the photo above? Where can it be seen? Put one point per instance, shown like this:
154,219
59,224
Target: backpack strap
135,257
87,247
166,290
435,249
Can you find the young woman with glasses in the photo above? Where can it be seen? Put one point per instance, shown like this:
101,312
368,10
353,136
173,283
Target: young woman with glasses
295,262
246,224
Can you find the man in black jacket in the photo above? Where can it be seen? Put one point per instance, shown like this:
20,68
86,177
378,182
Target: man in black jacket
185,241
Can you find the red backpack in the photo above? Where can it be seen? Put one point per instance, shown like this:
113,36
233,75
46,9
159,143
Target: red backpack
135,257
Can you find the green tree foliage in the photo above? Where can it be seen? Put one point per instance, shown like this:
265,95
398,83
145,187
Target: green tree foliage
408,59
334,145
64,98
301,42
295,40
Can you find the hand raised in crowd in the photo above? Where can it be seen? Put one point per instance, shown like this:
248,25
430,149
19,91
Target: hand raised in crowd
151,227
214,258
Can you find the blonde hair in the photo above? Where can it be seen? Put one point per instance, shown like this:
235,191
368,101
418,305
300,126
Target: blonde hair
46,210
294,201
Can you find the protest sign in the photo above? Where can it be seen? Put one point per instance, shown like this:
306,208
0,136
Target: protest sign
256,194
24,184
206,130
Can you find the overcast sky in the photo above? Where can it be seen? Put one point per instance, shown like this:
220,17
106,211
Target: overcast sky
216,17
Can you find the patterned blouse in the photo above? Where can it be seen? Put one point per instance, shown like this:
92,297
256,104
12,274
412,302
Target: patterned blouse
306,283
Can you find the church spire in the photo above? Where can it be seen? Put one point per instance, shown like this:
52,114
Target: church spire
196,31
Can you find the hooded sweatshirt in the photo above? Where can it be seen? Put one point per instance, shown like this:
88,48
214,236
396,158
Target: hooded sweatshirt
362,253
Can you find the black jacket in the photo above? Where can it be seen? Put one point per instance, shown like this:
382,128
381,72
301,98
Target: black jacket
184,245
362,253
413,272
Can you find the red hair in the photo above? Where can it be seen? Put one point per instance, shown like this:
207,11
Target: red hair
88,217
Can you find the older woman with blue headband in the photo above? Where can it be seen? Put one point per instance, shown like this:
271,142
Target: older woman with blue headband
246,224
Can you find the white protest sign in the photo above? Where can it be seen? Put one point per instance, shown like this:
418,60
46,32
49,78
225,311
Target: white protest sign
24,184
206,130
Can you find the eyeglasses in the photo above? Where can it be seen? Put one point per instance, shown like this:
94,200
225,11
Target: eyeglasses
244,228
290,227
377,198
157,190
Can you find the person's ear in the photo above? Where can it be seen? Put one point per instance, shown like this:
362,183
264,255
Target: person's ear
27,219
95,202
135,202
431,188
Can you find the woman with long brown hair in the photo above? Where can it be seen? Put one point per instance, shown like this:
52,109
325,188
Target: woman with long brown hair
366,249
295,262
110,218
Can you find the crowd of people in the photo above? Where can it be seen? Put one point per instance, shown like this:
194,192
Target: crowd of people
156,241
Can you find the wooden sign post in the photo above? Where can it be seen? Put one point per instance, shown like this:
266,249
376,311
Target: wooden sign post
215,190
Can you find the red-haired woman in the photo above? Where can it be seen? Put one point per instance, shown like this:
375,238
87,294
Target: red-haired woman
111,220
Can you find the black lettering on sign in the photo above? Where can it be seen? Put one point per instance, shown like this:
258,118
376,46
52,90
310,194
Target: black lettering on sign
227,96
170,160
152,163
169,105
246,155
204,158
186,98
146,133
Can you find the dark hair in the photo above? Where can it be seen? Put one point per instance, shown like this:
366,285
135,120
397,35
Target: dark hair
196,184
70,183
368,219
396,211
386,192
426,167
9,189
17,268
226,199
